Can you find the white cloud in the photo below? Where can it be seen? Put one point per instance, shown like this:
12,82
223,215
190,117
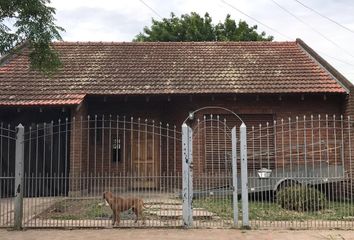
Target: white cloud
120,20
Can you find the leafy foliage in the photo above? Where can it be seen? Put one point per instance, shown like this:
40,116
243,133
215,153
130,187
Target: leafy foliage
301,198
30,21
193,27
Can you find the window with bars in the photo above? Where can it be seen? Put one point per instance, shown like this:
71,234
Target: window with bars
116,150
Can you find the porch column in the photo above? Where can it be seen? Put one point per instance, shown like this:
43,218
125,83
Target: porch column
78,150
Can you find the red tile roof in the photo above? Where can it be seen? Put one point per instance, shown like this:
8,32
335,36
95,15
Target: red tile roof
165,68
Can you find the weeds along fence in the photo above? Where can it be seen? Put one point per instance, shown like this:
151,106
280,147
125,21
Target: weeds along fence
298,172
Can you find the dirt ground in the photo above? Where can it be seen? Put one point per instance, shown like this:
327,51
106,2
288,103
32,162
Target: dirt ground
172,234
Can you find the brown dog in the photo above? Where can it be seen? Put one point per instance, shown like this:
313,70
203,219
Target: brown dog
119,204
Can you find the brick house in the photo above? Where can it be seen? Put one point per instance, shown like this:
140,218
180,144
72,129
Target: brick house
260,81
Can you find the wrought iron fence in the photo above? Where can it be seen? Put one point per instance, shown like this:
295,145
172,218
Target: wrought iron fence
7,174
301,173
68,165
297,173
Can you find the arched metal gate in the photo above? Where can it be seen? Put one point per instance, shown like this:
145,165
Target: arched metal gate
211,176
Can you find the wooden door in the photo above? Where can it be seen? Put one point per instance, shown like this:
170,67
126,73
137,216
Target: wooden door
145,160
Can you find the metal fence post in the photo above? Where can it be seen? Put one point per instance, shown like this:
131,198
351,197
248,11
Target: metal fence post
19,168
234,175
244,175
187,184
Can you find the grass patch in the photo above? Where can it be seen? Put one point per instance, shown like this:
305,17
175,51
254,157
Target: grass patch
82,209
94,209
71,209
273,212
97,210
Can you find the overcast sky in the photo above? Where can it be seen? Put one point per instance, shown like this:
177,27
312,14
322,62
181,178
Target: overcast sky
121,20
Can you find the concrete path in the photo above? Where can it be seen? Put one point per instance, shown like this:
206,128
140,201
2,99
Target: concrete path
172,234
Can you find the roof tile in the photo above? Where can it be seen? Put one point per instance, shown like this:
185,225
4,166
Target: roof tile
164,68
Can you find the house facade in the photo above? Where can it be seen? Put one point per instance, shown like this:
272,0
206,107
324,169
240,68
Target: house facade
115,108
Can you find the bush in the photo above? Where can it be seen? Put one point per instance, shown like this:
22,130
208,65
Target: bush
301,198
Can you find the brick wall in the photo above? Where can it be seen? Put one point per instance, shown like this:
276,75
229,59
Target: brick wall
88,154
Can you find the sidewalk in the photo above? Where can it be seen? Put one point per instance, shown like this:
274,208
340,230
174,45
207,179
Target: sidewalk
172,234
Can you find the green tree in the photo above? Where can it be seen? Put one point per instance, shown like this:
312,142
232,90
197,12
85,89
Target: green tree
193,27
30,21
230,31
